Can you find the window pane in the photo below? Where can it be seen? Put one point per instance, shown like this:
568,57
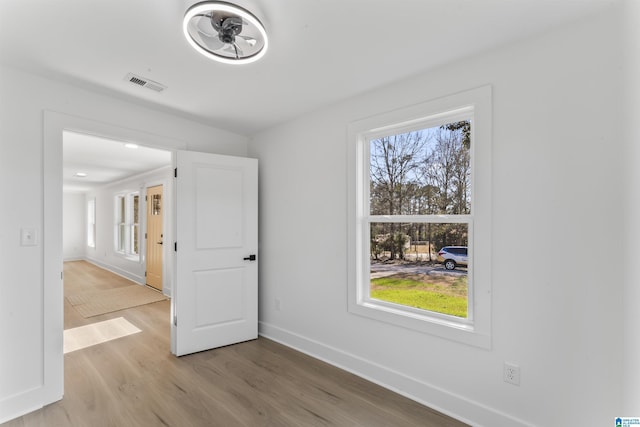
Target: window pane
133,244
92,236
422,172
134,236
413,264
91,211
91,223
135,209
155,204
121,231
120,209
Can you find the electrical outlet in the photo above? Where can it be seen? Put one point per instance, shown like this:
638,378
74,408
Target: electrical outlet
511,373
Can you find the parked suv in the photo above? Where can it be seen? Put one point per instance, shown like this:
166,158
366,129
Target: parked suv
452,256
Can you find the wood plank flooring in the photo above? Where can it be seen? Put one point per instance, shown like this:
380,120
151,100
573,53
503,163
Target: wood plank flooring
135,381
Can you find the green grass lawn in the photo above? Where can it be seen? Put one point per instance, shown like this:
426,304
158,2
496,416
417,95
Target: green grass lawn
442,296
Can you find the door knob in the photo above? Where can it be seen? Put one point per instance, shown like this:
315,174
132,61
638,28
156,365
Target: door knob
250,258
160,242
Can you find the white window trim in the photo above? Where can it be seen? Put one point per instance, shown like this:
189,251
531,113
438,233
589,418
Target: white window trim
476,330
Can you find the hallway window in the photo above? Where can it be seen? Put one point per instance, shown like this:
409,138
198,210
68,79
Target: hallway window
120,223
127,224
134,227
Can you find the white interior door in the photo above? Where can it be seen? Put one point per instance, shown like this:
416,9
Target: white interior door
215,300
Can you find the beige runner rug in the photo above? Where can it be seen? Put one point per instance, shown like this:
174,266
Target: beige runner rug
94,303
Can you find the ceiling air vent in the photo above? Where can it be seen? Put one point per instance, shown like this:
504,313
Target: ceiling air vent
141,81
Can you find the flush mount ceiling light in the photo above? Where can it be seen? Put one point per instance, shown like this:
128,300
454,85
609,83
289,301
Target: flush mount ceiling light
225,32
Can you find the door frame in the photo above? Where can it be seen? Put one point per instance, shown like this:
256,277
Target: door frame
53,310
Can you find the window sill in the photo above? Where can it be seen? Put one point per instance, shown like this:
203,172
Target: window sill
128,257
443,326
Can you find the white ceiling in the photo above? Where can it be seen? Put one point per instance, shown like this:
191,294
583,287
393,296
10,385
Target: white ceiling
320,51
104,161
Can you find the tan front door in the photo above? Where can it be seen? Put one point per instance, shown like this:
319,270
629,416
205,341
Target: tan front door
155,207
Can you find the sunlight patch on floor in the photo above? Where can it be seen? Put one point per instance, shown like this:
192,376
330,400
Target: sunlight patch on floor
97,333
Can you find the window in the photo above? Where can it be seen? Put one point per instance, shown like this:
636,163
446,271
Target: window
120,223
134,227
127,224
420,217
91,223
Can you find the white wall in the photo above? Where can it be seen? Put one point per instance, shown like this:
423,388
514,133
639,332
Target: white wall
630,113
74,240
25,382
558,200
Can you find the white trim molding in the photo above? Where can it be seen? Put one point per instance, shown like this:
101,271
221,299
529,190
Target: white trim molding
422,392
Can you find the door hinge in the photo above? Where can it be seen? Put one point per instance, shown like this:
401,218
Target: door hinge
145,235
146,198
145,274
175,173
175,320
175,247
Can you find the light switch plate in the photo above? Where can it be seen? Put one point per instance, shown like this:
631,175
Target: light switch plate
28,237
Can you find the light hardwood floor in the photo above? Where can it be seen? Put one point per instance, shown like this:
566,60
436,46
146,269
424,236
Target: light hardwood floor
135,381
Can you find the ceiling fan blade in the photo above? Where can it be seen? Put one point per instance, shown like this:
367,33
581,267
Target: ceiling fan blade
212,42
238,51
251,41
232,49
204,26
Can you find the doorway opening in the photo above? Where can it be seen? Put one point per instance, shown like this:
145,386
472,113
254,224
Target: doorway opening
203,188
113,218
55,124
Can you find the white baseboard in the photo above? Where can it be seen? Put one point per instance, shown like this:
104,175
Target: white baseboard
451,404
23,403
117,270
